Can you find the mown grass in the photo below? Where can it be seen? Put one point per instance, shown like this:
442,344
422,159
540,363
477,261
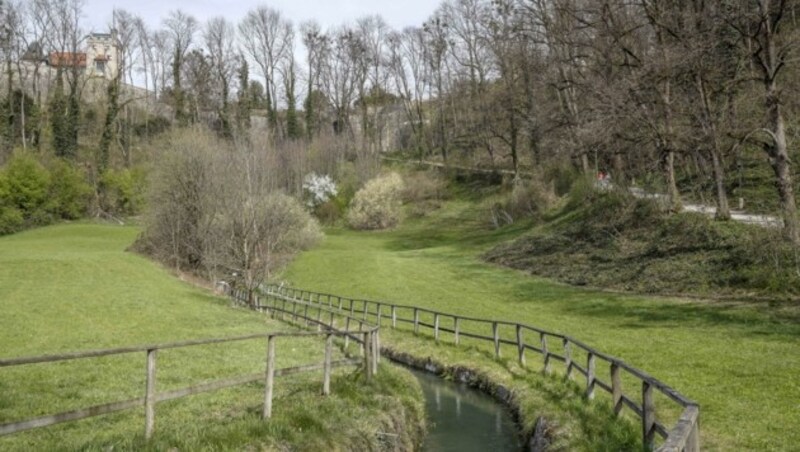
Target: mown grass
73,287
737,360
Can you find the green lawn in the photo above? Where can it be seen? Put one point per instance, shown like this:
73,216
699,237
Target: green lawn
740,362
73,287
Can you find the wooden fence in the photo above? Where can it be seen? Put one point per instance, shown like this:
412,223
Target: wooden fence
682,436
366,335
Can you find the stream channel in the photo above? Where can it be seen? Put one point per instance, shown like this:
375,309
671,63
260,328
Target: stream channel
464,419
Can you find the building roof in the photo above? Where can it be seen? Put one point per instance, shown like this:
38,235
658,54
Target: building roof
67,59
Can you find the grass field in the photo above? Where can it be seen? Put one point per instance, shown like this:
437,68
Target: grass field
738,361
73,287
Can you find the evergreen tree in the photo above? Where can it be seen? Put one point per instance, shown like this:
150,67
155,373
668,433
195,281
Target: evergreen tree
244,104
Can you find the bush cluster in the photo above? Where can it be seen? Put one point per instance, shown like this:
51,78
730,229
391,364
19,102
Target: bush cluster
33,194
377,205
214,209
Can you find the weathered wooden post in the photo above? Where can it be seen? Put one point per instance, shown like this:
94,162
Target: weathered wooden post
648,416
376,351
378,315
366,309
367,365
436,327
340,302
150,395
520,346
269,377
347,330
456,330
331,322
394,316
416,321
590,376
496,337
568,358
326,378
616,388
693,443
352,307
545,353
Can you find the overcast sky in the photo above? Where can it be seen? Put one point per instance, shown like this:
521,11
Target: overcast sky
397,13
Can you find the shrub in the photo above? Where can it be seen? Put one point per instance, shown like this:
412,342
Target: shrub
124,191
28,185
11,219
69,191
423,186
527,200
377,205
259,236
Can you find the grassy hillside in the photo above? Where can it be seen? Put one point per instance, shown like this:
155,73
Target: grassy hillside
737,360
612,240
73,287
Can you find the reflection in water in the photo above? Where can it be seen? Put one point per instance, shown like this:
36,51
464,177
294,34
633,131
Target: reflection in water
464,419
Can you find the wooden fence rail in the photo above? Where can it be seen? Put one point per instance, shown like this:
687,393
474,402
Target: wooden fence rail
366,334
683,436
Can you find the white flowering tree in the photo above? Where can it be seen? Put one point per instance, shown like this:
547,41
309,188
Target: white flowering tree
318,189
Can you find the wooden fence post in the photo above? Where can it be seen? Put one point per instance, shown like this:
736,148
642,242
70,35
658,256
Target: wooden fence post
352,307
376,351
496,336
346,329
150,395
648,416
340,302
693,443
269,377
545,353
331,322
616,388
520,346
568,358
416,321
394,316
590,376
366,309
326,378
367,365
456,329
379,315
436,327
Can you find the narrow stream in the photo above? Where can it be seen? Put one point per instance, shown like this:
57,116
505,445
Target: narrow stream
464,419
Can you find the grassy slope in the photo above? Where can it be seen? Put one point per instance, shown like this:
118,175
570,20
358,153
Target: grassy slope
73,287
737,361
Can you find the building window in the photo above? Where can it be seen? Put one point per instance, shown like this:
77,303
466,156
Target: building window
100,66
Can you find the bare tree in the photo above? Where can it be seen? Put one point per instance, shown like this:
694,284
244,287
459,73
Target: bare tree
267,39
763,24
316,44
181,28
411,75
219,40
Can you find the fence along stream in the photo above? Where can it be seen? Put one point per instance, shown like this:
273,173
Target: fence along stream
682,436
366,335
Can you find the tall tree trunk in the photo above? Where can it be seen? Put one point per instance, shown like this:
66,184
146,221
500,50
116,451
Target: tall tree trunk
781,165
723,210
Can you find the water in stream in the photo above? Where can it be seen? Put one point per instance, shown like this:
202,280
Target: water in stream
464,419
